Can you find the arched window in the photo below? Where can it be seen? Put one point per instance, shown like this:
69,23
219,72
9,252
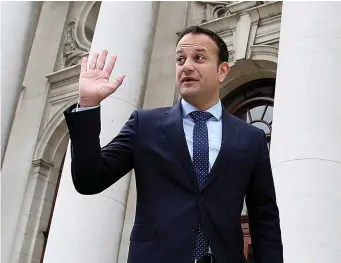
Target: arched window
252,102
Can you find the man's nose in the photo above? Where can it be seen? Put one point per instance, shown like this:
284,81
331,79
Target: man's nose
188,66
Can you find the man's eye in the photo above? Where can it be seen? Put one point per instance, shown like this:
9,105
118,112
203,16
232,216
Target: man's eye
200,57
180,60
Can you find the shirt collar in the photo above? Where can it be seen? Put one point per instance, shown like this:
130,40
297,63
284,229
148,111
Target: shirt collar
216,110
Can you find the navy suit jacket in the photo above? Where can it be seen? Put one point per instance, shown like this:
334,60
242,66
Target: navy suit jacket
169,202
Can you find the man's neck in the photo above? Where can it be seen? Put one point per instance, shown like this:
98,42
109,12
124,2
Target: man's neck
204,105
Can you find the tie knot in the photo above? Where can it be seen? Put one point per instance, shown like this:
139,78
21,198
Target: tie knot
200,116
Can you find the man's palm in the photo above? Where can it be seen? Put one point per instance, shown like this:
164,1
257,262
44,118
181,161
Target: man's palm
94,85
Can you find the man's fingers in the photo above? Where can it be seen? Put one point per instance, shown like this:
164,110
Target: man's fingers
93,61
101,60
84,64
111,65
117,82
120,79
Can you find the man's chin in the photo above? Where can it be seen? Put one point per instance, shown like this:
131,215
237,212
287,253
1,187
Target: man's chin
189,91
188,94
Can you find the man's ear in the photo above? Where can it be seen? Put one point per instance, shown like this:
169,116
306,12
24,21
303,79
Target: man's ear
223,70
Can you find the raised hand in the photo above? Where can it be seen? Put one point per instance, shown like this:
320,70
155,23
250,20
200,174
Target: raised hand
94,85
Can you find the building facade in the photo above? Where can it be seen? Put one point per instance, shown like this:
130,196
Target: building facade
285,78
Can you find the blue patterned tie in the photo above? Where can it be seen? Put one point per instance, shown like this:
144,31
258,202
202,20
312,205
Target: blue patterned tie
201,165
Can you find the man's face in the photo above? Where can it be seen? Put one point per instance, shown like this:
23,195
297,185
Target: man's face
198,75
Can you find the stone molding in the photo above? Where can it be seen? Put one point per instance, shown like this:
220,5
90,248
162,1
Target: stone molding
219,9
60,77
72,53
41,166
264,52
248,27
63,93
76,44
252,36
80,36
268,31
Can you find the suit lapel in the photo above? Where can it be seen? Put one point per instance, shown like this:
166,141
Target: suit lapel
229,141
173,127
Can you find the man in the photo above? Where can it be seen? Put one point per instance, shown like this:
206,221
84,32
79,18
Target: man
194,163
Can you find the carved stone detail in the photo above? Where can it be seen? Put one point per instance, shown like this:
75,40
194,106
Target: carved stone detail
264,52
41,166
73,53
215,10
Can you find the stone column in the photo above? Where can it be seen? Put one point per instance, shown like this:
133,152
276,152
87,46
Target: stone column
306,138
88,229
28,120
18,25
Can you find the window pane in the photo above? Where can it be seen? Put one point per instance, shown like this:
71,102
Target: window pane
257,112
268,114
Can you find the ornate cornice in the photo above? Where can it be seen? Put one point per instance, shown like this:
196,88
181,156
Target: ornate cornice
258,25
263,11
264,52
219,9
67,74
64,84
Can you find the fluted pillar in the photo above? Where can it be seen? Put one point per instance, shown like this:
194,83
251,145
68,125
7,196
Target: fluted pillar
88,229
306,137
25,130
18,25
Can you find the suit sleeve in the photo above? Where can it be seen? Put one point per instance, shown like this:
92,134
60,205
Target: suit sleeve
93,168
263,211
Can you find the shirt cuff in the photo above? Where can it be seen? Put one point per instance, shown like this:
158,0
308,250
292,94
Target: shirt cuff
77,109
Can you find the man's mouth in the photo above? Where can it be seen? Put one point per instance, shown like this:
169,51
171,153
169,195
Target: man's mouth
188,80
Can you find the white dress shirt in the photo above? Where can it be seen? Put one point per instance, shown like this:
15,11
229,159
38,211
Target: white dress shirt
214,127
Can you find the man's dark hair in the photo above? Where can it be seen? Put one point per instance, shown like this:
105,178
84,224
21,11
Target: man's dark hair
223,53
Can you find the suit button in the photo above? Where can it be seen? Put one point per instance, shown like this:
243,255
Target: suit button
201,197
